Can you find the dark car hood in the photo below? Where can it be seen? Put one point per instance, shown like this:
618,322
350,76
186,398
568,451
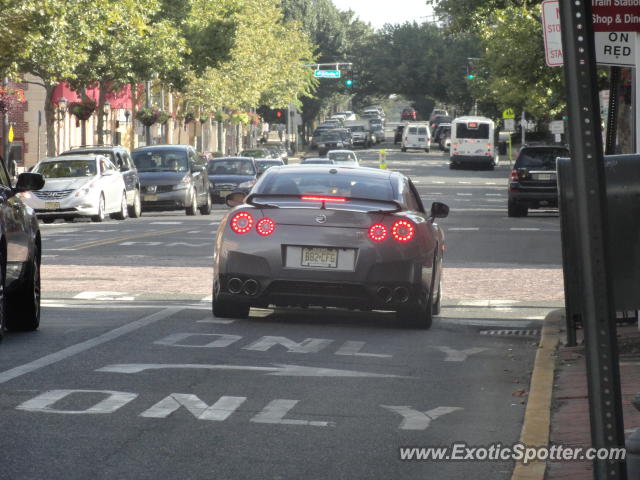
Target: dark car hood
161,178
231,178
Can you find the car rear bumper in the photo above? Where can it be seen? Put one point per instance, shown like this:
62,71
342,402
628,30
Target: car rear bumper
174,200
219,196
485,159
546,197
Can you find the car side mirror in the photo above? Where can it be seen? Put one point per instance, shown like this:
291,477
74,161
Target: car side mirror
29,181
234,199
439,210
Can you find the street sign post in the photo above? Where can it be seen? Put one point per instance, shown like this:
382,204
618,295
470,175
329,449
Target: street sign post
326,73
589,192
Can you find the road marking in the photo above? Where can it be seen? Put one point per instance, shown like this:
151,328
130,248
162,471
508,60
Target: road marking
490,183
353,348
465,183
166,223
464,194
49,256
278,370
110,241
106,296
522,229
453,355
194,231
463,229
276,410
438,183
309,345
86,345
413,419
192,245
218,321
494,194
208,298
218,412
221,340
44,401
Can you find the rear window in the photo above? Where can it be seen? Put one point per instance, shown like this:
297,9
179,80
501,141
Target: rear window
317,183
230,167
540,157
161,160
480,131
422,131
413,130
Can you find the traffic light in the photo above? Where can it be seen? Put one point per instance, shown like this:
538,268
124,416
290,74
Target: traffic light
279,113
348,78
471,69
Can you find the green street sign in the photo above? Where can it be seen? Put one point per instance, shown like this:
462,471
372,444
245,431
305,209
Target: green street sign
326,73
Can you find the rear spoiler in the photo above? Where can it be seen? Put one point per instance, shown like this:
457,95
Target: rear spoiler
251,200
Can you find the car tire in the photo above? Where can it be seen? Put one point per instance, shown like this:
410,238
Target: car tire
206,208
420,316
135,210
124,209
222,309
23,305
402,149
192,208
100,216
48,220
516,210
436,307
453,166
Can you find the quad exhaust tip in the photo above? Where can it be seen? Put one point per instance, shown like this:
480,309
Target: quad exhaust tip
385,294
250,287
401,294
234,285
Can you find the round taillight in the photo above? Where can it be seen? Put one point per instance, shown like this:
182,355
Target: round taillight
241,222
403,230
377,232
265,227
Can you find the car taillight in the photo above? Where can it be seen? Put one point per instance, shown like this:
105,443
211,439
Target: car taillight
266,227
377,232
241,222
403,231
514,175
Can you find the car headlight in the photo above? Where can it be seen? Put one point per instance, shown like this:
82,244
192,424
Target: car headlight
85,189
184,183
247,184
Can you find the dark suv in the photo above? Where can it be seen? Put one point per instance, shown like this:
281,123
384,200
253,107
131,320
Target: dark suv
121,158
533,182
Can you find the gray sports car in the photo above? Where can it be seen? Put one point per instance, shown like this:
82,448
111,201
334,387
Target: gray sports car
321,235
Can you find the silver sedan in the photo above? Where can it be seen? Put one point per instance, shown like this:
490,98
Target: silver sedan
357,238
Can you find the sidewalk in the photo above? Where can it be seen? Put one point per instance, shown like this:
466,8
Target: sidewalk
570,407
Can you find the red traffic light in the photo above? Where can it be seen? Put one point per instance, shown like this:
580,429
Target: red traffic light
278,114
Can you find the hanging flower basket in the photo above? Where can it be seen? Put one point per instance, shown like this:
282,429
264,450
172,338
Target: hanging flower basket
163,117
189,117
148,116
82,110
254,119
10,98
221,116
240,117
203,119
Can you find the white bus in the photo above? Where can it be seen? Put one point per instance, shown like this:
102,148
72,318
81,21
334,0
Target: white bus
472,142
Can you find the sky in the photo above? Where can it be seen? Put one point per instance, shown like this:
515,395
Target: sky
379,12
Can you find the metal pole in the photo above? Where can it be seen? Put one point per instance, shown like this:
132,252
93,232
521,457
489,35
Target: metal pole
587,165
147,102
612,113
286,139
5,129
523,123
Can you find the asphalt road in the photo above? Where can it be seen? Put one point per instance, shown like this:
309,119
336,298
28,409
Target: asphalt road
131,377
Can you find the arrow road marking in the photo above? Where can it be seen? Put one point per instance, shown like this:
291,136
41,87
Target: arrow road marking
459,355
279,370
413,419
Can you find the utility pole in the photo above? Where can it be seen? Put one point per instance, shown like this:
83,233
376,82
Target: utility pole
147,102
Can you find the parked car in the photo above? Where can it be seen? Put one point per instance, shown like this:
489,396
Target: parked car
263,164
121,158
20,262
416,136
408,114
397,135
533,182
316,161
330,140
343,157
231,174
172,177
338,236
80,185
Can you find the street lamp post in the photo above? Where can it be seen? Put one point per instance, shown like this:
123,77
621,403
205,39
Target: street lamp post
61,113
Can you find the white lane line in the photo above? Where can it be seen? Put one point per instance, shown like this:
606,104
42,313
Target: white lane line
522,229
465,183
494,200
464,194
86,345
165,223
61,249
494,195
463,229
194,232
217,321
490,183
49,256
208,298
438,183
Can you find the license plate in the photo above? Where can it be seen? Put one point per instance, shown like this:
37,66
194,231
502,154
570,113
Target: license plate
224,193
544,176
319,257
150,198
52,205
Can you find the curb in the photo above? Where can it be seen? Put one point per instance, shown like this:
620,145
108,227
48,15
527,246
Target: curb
537,417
